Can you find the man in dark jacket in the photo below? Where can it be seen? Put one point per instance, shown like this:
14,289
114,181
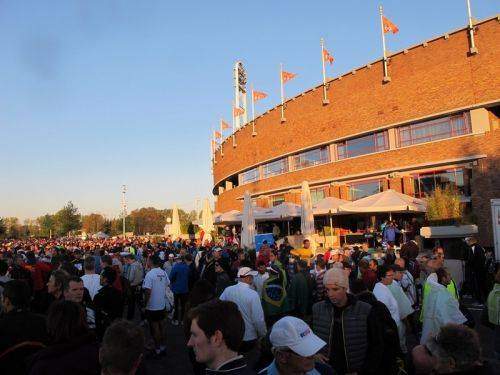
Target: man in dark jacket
475,270
349,326
108,302
300,291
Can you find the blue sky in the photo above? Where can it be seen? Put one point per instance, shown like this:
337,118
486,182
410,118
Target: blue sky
99,93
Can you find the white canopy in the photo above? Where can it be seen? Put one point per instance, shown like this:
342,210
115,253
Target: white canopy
175,229
248,224
207,221
328,206
386,201
233,216
306,217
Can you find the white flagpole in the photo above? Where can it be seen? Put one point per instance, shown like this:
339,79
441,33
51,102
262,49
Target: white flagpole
254,133
386,76
221,138
283,119
234,124
213,144
473,49
325,99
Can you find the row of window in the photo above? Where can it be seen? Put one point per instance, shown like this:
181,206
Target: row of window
413,134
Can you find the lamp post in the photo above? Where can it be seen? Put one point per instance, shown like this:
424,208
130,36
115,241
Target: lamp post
124,208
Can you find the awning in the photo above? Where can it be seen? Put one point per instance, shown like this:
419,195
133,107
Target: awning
387,201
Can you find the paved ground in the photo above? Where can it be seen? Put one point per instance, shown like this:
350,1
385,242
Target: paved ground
176,360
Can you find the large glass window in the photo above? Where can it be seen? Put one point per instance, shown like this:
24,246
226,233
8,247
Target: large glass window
318,194
275,168
458,178
249,176
363,145
277,199
311,157
361,189
427,131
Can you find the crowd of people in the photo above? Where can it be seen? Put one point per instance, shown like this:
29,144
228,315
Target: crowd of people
72,306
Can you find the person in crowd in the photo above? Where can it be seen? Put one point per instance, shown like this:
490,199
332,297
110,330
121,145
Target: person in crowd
475,271
294,346
21,331
193,275
305,253
121,349
155,285
216,341
91,280
107,261
274,295
134,275
223,279
493,313
250,307
405,279
73,349
264,253
349,327
108,302
319,274
440,307
455,349
261,277
391,348
55,285
300,291
179,281
390,233
368,275
169,264
4,277
390,256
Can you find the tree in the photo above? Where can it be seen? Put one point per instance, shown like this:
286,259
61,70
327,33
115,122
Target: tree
93,223
3,228
12,227
47,225
444,206
67,219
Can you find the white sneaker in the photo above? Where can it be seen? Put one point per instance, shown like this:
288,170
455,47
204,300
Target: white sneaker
175,322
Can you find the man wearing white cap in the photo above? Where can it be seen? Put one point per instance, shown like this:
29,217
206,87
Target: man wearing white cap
248,302
294,346
349,326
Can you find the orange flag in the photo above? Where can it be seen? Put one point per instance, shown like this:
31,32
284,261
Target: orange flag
258,95
217,134
327,56
237,111
214,144
224,125
389,27
287,76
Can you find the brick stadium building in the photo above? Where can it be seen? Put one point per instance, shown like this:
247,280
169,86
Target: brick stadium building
436,123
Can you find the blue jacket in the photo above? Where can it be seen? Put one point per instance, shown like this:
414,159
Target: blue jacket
179,278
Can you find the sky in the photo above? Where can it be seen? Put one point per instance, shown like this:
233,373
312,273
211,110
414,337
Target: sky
99,93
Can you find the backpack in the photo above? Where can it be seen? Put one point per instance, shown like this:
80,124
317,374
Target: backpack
414,268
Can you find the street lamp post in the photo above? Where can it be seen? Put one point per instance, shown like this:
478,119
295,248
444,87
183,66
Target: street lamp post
124,208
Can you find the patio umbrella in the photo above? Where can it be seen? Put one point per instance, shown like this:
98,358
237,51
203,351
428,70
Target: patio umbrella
328,206
306,217
175,229
207,221
389,201
247,224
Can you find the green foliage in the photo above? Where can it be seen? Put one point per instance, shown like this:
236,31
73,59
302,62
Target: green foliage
444,207
3,228
47,225
67,219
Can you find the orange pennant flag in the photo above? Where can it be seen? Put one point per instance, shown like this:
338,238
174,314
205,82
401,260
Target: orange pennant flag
217,134
214,144
258,95
224,125
389,27
237,111
327,57
287,76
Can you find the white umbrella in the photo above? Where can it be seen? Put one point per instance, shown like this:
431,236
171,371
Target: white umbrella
328,206
248,223
306,217
207,221
175,229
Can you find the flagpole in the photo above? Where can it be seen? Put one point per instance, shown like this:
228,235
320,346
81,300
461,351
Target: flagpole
473,49
325,99
234,121
213,144
221,138
254,133
386,75
283,119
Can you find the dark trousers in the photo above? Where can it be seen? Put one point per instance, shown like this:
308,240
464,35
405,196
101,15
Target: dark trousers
131,302
180,300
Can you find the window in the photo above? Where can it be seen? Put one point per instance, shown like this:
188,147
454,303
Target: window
458,178
275,168
249,176
277,199
427,131
363,145
318,194
311,157
358,190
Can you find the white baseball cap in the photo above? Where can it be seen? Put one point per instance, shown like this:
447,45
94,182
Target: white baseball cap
295,334
246,271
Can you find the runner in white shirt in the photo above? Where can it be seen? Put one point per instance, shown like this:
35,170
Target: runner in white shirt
155,286
91,280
